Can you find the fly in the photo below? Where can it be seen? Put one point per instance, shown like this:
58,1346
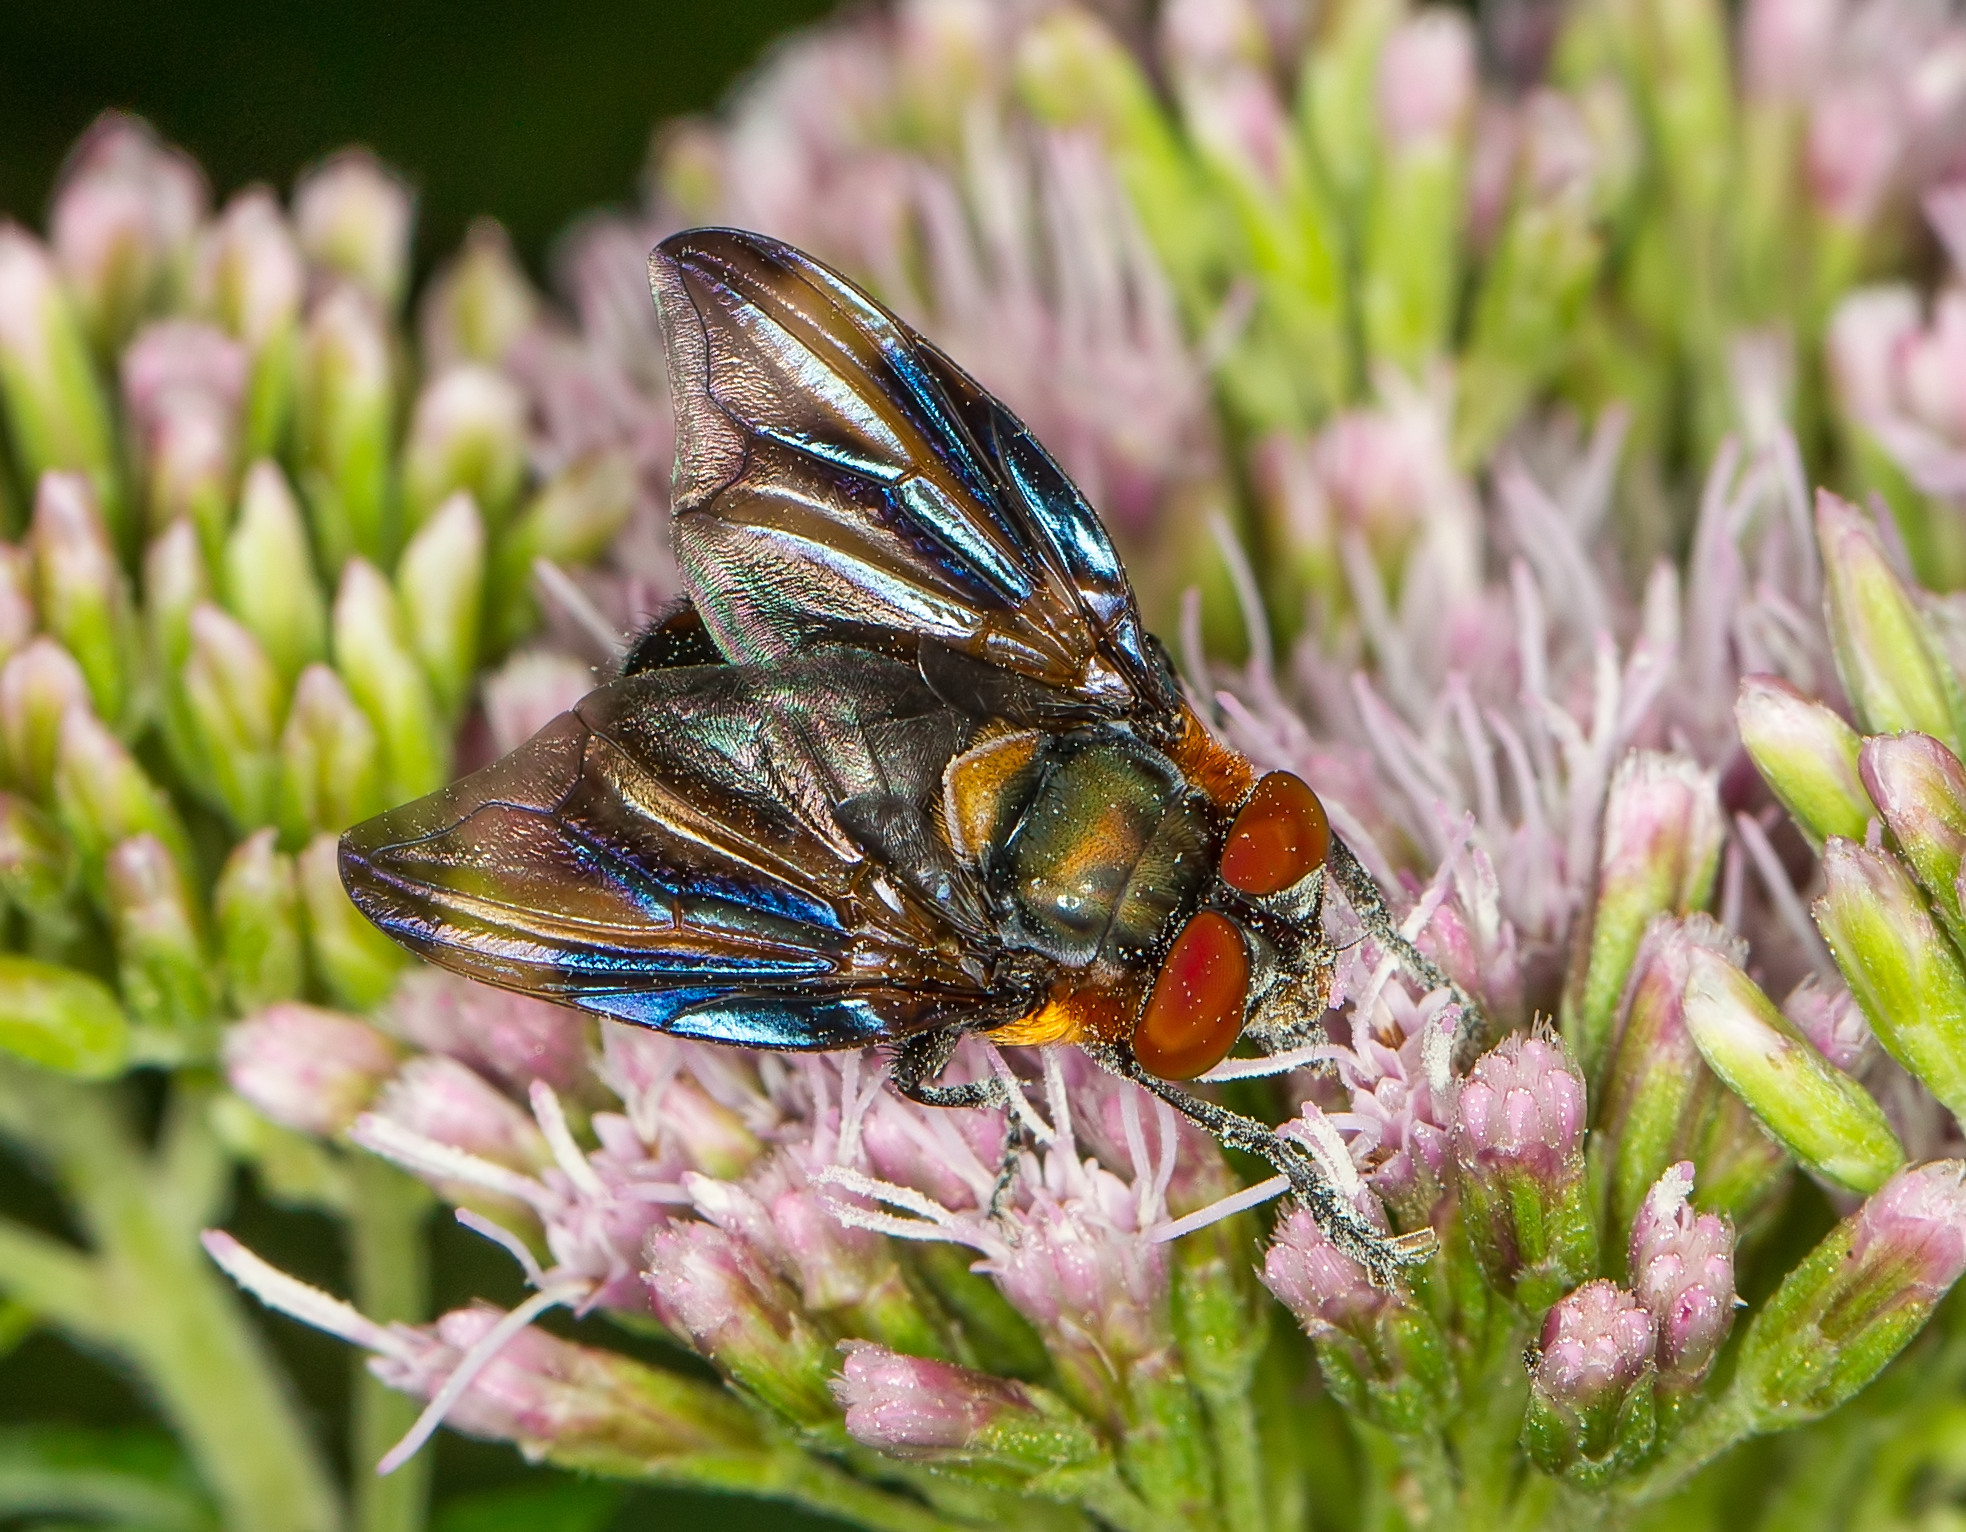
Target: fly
903,766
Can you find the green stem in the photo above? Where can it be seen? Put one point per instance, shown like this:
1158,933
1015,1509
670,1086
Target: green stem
1728,1422
1239,1462
1425,1457
787,1473
390,1261
157,1300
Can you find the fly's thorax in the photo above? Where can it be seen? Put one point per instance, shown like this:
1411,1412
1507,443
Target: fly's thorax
1099,848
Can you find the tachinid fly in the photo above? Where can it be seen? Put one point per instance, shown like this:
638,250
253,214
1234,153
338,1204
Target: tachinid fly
904,766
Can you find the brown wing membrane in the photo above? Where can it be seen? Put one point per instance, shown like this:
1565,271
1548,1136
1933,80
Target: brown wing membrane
839,479
667,853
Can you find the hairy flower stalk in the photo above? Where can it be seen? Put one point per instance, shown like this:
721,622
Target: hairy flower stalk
1456,378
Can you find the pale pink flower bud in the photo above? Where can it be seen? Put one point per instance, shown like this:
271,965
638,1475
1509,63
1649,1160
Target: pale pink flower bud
123,220
440,1099
529,691
712,1290
1682,1270
908,1407
1829,1016
1785,45
1932,368
1594,1356
353,215
1427,79
1518,1140
513,1039
308,1069
250,274
1856,143
1864,347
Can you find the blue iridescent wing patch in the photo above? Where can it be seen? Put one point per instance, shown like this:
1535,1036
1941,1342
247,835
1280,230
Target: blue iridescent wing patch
838,478
667,854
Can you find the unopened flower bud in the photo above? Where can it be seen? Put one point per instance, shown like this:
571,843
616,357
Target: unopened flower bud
581,1408
1661,845
353,217
1817,1112
102,796
1426,79
937,1412
575,515
330,759
38,686
712,1290
355,960
1382,1354
1682,1270
56,414
1519,1142
1857,1298
440,586
268,576
1856,141
122,223
83,594
251,279
346,418
18,618
1903,971
1829,1017
529,691
1657,1091
512,1038
61,1020
479,304
36,870
174,582
236,703
166,975
262,951
440,1099
183,386
1892,667
1592,1411
1920,789
468,433
1807,755
373,655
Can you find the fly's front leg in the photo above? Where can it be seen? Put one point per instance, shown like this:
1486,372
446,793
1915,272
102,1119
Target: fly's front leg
1362,893
1382,1256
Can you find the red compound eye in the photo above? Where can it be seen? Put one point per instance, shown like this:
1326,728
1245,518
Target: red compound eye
1194,1015
1278,837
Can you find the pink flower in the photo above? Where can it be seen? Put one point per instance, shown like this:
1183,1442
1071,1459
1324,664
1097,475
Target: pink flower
306,1068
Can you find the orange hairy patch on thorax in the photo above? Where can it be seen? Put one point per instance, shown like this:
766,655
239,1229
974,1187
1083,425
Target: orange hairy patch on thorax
1104,1015
976,783
1223,775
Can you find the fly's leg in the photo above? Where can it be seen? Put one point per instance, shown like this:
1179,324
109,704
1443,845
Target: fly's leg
1362,893
919,1059
1381,1255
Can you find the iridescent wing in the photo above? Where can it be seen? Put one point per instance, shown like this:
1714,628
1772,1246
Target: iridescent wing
671,853
838,479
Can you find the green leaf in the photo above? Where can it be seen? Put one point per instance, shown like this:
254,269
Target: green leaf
127,1478
61,1019
569,1505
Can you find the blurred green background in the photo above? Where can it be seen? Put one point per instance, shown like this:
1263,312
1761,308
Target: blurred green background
530,113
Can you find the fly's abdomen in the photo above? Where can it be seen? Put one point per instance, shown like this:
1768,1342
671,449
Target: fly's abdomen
1107,850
